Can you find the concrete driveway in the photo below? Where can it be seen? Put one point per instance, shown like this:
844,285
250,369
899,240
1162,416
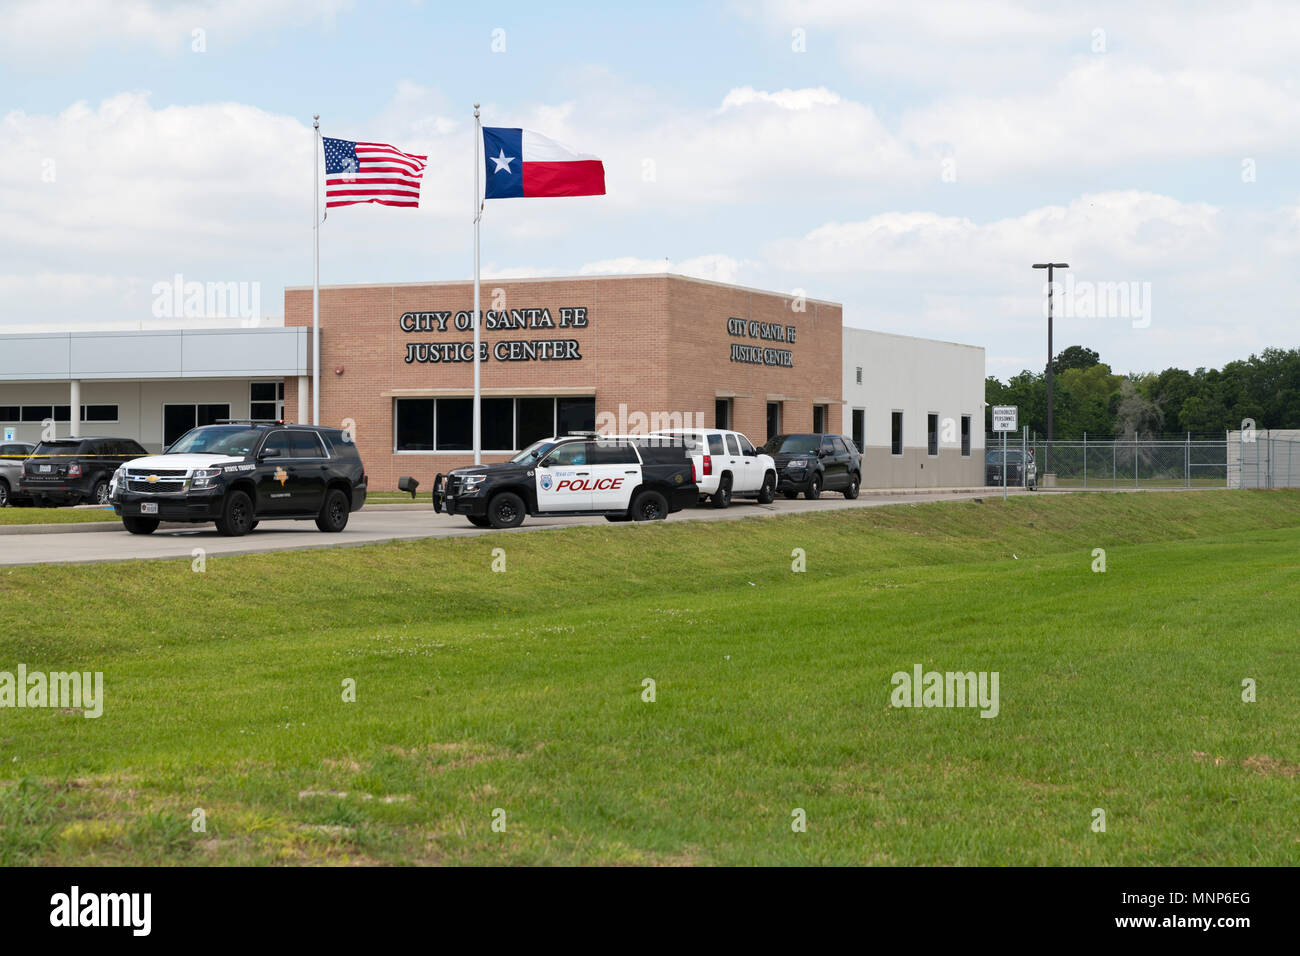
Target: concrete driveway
83,544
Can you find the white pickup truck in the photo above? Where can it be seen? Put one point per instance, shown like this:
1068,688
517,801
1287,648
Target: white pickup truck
727,465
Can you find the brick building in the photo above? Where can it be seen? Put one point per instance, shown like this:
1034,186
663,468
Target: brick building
625,353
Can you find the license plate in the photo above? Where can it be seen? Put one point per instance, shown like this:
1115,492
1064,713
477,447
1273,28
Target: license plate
43,469
148,507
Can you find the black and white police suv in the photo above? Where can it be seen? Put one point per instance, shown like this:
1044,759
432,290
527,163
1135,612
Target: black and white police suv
635,478
241,473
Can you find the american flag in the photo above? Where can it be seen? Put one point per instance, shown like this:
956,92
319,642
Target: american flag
370,172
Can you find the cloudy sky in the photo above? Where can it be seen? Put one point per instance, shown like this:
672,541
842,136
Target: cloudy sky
910,160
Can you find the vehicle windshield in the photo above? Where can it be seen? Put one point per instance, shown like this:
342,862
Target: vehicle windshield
233,440
534,451
793,445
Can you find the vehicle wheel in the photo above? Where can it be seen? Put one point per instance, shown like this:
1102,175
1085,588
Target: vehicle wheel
506,510
649,506
333,516
139,525
814,488
790,495
479,521
236,515
253,526
617,518
99,494
767,494
4,493
851,491
722,497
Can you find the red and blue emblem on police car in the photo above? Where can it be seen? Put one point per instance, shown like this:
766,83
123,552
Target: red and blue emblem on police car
546,482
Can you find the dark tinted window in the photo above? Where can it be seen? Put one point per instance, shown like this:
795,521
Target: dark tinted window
278,441
536,420
455,424
792,445
614,453
575,415
745,447
732,446
305,445
715,444
896,433
965,436
932,434
840,447
415,424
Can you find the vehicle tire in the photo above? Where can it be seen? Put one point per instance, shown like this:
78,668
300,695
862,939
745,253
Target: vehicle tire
722,497
333,516
4,493
236,515
139,525
479,521
790,495
814,488
649,506
617,518
851,490
99,494
767,494
253,526
506,510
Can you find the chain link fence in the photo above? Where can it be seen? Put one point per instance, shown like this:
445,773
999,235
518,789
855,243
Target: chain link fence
1237,460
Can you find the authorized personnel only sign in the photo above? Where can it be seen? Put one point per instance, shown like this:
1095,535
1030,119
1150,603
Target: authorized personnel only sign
1004,418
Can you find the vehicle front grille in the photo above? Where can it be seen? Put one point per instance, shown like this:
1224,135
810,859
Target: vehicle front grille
161,473
173,487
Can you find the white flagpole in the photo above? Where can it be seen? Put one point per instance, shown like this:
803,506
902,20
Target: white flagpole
315,274
478,214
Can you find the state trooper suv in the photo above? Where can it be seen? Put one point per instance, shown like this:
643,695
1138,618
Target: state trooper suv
239,473
635,478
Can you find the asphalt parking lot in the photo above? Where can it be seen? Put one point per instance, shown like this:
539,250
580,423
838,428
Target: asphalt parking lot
82,544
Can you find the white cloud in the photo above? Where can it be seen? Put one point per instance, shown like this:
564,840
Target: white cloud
33,30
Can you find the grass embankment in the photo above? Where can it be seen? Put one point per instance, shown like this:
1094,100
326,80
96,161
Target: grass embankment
522,691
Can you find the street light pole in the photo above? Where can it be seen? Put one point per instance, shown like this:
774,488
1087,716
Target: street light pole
1050,267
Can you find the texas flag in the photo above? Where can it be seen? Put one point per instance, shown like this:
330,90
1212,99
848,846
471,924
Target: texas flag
521,163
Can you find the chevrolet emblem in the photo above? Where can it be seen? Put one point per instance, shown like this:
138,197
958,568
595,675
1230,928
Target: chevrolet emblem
151,479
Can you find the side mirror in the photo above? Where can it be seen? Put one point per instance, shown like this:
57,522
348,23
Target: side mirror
269,453
407,484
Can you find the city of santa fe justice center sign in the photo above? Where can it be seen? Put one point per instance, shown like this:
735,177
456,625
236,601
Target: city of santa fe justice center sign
765,332
503,350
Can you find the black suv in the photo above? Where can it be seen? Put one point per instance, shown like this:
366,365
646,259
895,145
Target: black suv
68,471
815,462
240,473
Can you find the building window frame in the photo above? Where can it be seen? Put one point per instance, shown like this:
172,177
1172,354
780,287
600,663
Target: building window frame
897,438
48,410
858,417
514,400
932,434
965,436
723,414
195,406
278,402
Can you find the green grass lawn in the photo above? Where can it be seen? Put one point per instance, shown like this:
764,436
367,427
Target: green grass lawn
522,691
55,515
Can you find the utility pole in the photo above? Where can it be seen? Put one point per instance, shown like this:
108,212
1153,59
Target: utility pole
1050,267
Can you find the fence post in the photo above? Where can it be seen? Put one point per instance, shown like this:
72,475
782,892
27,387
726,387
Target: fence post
1024,459
1187,460
1085,459
1114,467
1135,460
